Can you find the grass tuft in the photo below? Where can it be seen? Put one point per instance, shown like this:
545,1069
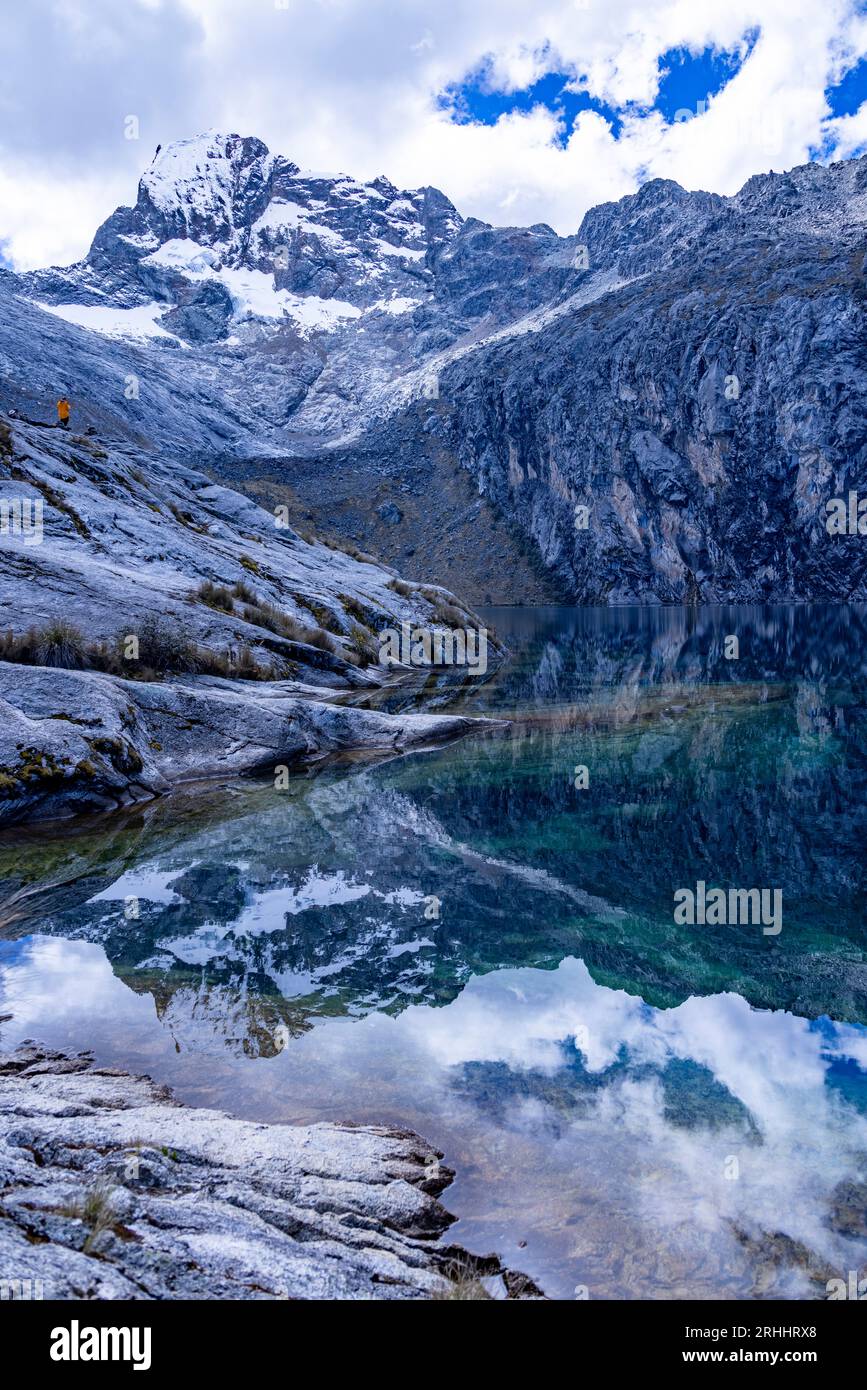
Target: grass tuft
242,591
163,650
216,596
96,1208
61,644
461,1284
400,586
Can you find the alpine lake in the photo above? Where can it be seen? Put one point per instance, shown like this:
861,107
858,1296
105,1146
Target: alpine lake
481,943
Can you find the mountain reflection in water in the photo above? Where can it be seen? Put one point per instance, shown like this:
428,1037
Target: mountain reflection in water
464,942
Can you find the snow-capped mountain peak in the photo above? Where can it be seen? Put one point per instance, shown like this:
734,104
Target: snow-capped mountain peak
683,351
210,177
225,234
320,303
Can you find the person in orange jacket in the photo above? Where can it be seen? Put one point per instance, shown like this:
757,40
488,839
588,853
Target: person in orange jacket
63,409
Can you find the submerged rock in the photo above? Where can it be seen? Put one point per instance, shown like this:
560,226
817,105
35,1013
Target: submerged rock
111,1189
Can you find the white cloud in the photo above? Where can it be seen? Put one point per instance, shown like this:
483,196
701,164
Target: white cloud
651,1177
49,219
357,85
849,133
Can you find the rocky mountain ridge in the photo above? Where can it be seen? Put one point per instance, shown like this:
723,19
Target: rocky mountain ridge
688,367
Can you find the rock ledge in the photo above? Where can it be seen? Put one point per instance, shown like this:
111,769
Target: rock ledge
111,1189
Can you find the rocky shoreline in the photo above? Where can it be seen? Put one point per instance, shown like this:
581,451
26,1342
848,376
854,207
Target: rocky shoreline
111,1189
79,741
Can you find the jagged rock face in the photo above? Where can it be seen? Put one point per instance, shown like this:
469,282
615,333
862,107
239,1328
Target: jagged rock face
306,295
228,245
316,234
704,413
718,405
688,366
215,213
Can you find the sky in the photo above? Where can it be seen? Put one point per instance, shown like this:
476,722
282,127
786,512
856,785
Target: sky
521,111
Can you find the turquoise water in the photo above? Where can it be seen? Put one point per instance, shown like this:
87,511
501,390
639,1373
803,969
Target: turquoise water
467,942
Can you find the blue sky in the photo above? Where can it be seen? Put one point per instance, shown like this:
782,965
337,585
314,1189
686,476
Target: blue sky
474,100
686,81
847,95
522,111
